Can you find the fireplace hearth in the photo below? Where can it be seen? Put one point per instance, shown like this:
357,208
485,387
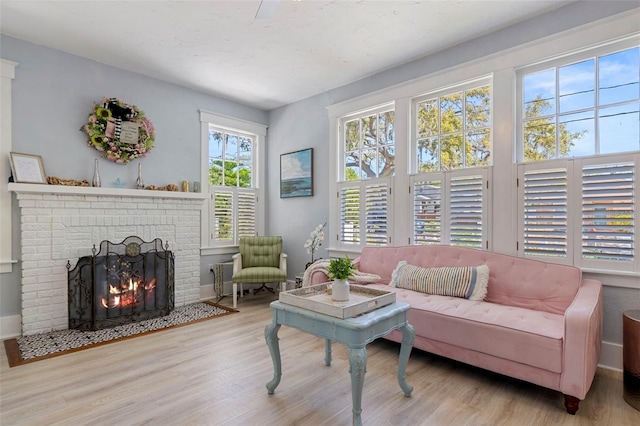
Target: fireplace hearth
121,283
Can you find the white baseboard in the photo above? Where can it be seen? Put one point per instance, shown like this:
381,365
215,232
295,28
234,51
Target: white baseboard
207,291
611,356
10,326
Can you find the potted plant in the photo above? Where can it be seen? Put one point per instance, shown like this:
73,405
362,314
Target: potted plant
339,271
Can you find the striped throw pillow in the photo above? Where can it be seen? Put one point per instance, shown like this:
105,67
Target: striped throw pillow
468,282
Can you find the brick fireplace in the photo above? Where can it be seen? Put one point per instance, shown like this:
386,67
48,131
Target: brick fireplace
60,223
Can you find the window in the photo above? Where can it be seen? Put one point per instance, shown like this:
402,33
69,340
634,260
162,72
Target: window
232,171
7,74
584,107
364,190
454,129
230,177
452,142
369,145
577,195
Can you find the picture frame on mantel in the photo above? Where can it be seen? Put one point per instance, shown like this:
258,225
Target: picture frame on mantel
296,174
27,168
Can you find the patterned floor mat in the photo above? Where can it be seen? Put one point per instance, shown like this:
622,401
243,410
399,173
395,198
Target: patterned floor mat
45,345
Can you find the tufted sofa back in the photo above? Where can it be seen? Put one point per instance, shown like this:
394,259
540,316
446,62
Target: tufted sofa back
513,281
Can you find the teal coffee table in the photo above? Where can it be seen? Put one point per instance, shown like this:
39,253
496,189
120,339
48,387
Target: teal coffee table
355,333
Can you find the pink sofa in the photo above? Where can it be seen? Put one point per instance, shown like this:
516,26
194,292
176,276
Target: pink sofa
539,322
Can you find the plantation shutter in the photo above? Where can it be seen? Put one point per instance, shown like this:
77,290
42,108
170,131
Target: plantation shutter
377,207
466,211
608,211
544,213
234,214
451,208
349,215
427,219
247,201
364,212
222,216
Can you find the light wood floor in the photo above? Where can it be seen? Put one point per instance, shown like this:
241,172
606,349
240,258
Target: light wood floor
214,373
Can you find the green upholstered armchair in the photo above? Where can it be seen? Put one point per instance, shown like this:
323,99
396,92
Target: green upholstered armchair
260,261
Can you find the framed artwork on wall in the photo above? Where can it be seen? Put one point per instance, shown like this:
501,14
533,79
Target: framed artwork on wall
27,168
296,174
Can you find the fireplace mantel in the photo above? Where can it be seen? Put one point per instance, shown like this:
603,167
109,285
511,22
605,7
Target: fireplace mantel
109,192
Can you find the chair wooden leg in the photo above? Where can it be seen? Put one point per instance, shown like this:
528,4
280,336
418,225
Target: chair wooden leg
571,403
235,295
283,286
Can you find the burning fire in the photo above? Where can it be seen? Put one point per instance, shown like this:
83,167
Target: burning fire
128,294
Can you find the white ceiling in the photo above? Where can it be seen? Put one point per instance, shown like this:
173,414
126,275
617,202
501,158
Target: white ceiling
219,47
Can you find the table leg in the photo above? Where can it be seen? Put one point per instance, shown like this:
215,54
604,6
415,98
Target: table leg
327,352
357,368
271,336
408,336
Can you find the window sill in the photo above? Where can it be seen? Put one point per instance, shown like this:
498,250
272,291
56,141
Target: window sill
215,251
614,278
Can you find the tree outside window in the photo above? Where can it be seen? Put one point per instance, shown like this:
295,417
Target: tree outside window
369,150
454,130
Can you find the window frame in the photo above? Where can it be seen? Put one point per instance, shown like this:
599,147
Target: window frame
574,165
379,109
463,86
238,126
7,74
600,50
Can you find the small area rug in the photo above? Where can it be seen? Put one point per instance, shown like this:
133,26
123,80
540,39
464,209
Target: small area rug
35,347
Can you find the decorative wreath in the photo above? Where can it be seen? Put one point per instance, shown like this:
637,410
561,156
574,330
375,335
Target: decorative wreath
121,132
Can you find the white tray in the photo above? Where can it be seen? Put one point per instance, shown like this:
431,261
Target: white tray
315,298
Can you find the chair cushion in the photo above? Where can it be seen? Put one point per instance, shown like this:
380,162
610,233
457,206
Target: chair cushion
261,251
259,274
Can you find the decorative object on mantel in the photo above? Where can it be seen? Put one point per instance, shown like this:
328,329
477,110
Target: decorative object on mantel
170,187
340,270
139,181
118,183
96,175
313,244
120,131
27,168
52,180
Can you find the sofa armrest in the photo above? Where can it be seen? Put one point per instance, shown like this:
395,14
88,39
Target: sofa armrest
582,339
318,277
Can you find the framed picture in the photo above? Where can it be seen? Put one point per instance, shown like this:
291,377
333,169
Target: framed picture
27,168
296,174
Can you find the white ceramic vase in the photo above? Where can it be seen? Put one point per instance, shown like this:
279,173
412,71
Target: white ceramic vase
340,290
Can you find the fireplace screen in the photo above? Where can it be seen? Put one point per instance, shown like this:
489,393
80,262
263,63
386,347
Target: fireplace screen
121,283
